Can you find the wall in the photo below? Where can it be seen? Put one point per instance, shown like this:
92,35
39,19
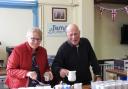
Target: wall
13,26
107,34
104,37
87,20
76,13
15,21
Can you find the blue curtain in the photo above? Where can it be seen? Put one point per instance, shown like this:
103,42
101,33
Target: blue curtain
19,3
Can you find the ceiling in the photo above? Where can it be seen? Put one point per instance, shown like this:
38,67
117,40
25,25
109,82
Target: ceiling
125,2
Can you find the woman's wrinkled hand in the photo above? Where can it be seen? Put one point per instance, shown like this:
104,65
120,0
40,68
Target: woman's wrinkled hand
32,75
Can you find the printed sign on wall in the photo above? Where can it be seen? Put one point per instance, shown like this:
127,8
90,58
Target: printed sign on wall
57,29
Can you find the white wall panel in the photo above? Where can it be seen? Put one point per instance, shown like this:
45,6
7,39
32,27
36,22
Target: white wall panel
13,26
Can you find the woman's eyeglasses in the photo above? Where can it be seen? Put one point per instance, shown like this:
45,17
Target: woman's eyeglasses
35,39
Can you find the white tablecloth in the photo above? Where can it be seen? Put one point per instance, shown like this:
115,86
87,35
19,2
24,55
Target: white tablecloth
39,87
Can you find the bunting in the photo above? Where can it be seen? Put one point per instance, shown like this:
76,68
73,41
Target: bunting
101,10
112,11
126,9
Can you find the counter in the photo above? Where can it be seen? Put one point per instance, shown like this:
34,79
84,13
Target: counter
117,71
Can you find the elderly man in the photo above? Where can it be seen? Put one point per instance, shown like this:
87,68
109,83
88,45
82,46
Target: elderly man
76,54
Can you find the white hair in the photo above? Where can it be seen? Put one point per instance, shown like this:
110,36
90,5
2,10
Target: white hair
34,29
71,26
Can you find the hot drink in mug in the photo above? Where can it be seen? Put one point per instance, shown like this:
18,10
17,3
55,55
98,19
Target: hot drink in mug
71,76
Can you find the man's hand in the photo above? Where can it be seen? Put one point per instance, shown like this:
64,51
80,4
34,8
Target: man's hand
63,72
98,78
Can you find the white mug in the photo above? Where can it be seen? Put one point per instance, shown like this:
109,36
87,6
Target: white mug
46,76
72,76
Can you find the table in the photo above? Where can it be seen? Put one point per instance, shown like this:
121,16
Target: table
48,87
117,71
120,74
3,75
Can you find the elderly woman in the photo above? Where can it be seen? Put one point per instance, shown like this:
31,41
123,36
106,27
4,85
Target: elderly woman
28,62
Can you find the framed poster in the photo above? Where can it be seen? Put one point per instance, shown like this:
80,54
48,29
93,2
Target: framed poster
59,14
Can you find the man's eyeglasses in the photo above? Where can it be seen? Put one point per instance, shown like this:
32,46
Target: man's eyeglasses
35,39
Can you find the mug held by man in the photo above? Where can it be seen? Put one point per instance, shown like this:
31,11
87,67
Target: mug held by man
71,76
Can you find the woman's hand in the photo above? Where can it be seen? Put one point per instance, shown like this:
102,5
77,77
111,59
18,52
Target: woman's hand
48,76
32,75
